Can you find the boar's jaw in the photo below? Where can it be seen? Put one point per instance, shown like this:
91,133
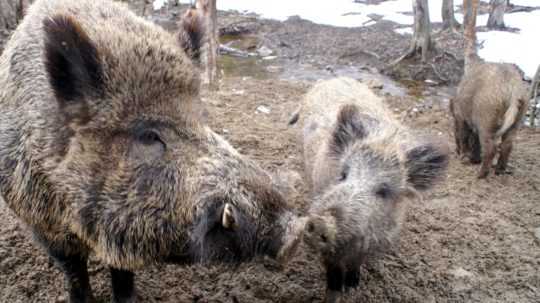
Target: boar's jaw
213,242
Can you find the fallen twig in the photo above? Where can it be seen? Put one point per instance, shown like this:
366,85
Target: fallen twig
224,49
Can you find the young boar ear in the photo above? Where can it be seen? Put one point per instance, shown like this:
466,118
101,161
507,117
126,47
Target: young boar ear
191,33
426,164
228,217
349,127
72,63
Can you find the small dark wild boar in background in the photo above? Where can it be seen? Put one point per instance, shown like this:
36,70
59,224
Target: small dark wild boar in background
488,109
191,33
364,166
101,152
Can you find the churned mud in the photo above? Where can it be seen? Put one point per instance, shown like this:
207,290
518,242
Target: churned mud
468,241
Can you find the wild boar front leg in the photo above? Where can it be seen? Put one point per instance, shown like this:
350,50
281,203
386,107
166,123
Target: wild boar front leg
352,278
76,275
123,286
335,278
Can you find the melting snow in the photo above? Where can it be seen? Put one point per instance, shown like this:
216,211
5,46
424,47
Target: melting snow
158,4
521,48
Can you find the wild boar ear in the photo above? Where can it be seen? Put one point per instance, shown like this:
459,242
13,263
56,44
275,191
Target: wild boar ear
191,33
228,217
426,164
72,63
348,128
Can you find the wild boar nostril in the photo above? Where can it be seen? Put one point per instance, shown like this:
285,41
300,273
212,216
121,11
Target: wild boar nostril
324,238
310,227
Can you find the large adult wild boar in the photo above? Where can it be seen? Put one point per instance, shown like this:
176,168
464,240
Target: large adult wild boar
489,106
363,166
101,152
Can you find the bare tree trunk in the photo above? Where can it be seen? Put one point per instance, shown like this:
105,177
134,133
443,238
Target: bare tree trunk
209,13
144,9
449,20
496,14
470,8
421,41
533,95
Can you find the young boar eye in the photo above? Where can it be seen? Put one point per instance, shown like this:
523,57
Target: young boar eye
384,191
344,174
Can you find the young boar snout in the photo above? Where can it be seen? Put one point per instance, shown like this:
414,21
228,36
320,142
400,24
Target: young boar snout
320,233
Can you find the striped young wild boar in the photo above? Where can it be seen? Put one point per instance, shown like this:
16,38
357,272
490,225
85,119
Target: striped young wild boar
488,109
363,166
102,153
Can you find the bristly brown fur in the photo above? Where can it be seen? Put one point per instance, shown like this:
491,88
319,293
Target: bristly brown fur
102,152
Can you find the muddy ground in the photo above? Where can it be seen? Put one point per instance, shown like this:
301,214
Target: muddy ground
468,241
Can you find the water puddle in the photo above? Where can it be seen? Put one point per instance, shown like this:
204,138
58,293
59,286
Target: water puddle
254,67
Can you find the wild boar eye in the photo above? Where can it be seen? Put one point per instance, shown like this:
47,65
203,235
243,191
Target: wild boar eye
147,146
149,138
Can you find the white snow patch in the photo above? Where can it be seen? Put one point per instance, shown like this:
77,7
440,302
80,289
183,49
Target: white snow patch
520,48
263,109
404,30
158,4
532,3
344,13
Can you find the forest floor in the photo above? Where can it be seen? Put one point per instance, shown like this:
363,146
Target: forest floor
469,240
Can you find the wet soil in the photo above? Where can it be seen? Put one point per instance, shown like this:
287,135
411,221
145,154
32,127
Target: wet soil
467,241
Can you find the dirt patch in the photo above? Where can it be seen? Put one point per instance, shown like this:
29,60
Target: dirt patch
468,241
375,46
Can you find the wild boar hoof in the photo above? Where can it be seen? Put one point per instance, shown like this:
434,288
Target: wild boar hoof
132,299
475,161
352,280
482,174
332,296
503,171
123,286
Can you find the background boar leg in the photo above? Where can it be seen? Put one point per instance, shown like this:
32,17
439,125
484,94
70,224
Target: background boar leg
76,274
488,153
461,137
352,278
476,150
123,286
506,149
